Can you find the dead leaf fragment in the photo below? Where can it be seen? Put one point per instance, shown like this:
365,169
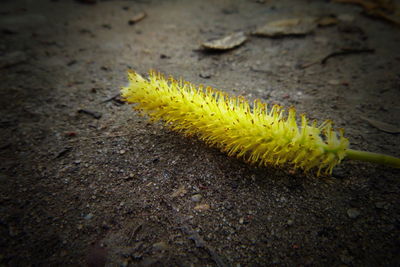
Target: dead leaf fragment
370,4
383,126
228,42
180,192
392,18
138,17
202,207
293,26
381,9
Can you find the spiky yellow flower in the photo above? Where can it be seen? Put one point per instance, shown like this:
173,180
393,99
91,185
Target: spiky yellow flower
256,133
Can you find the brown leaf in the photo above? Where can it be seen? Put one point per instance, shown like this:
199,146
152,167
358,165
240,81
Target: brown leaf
294,26
385,127
227,42
202,207
382,9
363,3
138,17
181,191
392,18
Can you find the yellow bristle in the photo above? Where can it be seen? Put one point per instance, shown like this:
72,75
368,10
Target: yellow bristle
256,134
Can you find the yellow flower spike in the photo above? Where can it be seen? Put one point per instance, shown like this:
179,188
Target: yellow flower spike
256,134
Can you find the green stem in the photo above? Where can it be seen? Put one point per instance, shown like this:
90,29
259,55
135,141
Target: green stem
373,157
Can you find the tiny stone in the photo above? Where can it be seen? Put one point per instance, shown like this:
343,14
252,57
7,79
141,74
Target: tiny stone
197,198
202,207
353,213
205,74
88,216
122,151
334,82
290,222
241,220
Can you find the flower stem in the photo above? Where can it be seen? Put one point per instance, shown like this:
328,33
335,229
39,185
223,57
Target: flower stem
373,157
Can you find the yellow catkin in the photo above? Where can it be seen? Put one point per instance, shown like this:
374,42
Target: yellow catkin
254,132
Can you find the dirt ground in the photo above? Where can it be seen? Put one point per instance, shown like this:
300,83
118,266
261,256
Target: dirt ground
86,180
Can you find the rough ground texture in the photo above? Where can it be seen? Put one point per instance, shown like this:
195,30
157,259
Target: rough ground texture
117,190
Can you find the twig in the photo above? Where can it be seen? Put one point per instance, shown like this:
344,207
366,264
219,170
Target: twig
193,235
64,151
94,114
110,98
347,51
342,52
135,232
200,243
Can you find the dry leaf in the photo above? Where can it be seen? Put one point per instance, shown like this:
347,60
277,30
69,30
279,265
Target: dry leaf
387,5
227,42
392,18
202,207
138,17
383,9
294,26
181,191
362,3
385,127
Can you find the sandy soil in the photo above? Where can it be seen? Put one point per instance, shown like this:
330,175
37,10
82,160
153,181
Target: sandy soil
77,188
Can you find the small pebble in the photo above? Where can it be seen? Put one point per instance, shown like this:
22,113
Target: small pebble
334,82
353,213
202,207
290,222
88,216
205,74
197,198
